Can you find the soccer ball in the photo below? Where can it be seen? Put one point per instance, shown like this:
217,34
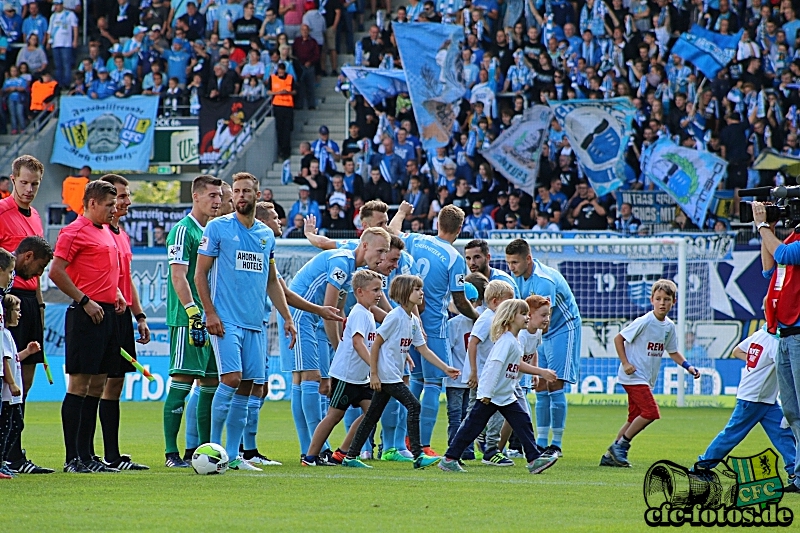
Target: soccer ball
209,459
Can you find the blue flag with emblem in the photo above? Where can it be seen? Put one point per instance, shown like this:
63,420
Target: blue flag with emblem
376,84
598,132
689,176
286,172
707,50
110,134
431,55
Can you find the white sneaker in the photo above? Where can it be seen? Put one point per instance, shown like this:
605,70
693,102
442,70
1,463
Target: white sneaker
366,456
406,453
241,464
263,460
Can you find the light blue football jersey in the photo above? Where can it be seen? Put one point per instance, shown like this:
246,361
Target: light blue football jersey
496,273
443,270
549,282
331,266
238,278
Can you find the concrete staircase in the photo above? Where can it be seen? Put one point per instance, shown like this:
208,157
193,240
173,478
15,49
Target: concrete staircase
330,112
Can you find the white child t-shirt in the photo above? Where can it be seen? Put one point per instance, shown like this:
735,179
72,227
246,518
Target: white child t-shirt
458,332
10,352
481,331
347,365
530,343
759,381
646,340
499,376
399,331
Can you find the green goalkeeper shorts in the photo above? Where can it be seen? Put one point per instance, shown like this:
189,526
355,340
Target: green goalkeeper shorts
186,358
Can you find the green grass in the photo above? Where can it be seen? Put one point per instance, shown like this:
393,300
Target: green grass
575,495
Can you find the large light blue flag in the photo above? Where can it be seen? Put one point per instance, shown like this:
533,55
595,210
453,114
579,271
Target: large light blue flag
431,55
689,176
707,50
375,84
109,134
598,132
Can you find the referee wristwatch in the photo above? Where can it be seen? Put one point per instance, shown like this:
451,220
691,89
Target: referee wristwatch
762,225
140,316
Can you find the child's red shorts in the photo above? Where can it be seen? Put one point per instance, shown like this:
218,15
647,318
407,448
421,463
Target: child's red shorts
641,402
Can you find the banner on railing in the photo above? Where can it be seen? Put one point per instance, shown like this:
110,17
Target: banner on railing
651,207
224,128
107,135
143,221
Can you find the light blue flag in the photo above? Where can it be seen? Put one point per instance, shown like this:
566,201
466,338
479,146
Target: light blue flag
376,84
707,50
109,134
690,177
286,172
431,57
598,132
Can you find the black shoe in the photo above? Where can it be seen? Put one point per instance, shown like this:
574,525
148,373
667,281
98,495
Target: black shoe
791,487
97,466
187,455
76,467
326,456
318,461
606,460
24,466
553,450
124,463
173,460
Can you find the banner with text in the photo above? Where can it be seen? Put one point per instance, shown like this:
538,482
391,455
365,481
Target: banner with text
653,208
107,135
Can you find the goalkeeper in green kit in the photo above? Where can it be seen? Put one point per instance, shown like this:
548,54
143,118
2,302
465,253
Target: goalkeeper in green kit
191,356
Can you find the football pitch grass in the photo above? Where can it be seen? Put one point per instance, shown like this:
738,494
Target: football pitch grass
574,495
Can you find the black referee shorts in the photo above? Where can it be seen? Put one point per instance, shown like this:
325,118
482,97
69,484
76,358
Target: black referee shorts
92,348
126,340
30,327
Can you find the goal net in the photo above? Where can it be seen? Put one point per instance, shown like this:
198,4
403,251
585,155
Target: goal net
611,278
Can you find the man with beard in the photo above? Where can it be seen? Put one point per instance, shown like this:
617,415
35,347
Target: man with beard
103,134
21,230
476,252
241,251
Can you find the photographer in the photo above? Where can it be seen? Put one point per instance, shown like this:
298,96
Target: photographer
779,259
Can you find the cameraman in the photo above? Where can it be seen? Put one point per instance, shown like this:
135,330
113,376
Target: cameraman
779,260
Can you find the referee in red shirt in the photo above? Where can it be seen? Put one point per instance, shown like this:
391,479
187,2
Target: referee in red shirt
18,220
87,269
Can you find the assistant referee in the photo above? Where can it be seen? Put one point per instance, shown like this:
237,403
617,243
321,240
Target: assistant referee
87,268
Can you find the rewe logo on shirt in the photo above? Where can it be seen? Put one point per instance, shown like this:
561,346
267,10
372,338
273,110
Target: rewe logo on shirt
405,343
371,337
753,355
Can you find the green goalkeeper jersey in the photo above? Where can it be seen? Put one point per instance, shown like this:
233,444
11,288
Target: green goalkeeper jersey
182,244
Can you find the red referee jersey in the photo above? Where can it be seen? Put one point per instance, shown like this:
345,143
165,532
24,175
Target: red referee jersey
125,257
14,226
93,259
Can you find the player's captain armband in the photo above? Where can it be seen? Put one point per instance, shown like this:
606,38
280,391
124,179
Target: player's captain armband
175,252
203,243
460,280
272,257
249,261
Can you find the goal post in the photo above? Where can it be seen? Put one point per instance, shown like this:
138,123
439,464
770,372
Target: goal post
611,277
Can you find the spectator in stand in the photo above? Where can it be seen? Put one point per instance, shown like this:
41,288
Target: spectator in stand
306,50
511,222
254,67
460,198
34,23
155,12
335,219
352,145
515,208
133,47
122,19
391,167
442,194
326,151
548,204
543,222
266,195
62,39
626,223
157,86
118,70
498,213
377,188
33,55
11,24
270,29
103,86
5,187
478,223
43,92
331,10
247,27
585,210
296,231
316,181
229,12
353,183
128,88
172,100
253,90
416,197
15,91
316,25
305,206
222,84
292,13
194,20
372,48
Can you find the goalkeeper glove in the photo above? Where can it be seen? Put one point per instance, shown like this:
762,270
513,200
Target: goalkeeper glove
197,329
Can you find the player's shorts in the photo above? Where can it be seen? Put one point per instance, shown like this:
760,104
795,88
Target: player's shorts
91,348
641,402
304,354
186,358
441,347
265,344
346,394
324,351
126,341
30,325
561,353
240,350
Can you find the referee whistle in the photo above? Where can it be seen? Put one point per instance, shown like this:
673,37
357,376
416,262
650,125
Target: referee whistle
136,364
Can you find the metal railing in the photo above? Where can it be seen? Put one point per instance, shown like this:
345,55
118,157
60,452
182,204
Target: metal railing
31,131
220,168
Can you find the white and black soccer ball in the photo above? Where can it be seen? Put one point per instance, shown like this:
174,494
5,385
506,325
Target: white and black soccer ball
210,459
